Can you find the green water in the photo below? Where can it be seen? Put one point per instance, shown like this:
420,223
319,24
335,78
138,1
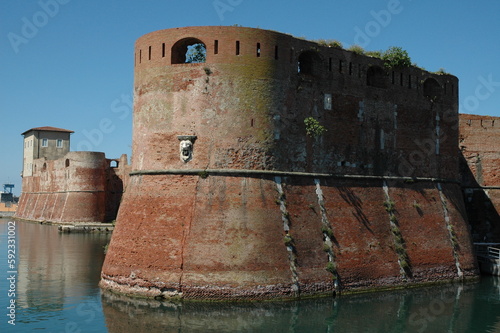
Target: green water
56,291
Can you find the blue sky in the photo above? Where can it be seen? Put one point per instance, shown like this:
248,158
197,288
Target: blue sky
69,63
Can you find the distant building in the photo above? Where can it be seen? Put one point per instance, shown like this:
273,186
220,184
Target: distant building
7,195
49,142
63,186
8,202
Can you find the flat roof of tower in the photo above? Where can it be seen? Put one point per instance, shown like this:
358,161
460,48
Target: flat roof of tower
48,129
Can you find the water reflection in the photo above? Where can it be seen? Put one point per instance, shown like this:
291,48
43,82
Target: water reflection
57,291
56,272
454,308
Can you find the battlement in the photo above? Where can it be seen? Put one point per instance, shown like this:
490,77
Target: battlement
288,56
265,166
257,87
479,122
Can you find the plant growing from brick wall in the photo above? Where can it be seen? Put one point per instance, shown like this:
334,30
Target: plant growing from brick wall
330,43
374,54
313,127
389,206
396,57
400,249
399,242
356,49
332,268
288,240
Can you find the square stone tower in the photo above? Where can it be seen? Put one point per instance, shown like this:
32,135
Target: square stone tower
44,142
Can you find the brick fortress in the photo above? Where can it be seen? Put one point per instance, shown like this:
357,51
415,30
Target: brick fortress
62,186
229,198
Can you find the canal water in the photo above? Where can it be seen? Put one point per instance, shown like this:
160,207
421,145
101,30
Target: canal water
49,284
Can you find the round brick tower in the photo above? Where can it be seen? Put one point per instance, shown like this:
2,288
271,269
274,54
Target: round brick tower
229,196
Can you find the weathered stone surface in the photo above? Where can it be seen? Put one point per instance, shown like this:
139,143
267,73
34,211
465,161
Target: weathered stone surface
80,187
215,226
480,169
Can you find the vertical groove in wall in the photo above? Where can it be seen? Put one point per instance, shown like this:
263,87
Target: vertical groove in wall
32,215
55,197
449,227
185,235
288,240
327,231
45,206
399,242
61,216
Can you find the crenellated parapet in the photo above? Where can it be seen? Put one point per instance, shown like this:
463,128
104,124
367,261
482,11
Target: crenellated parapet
255,88
266,166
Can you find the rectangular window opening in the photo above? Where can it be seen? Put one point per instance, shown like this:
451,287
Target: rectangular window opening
276,53
340,66
45,142
163,50
216,47
258,50
149,56
237,47
140,56
59,143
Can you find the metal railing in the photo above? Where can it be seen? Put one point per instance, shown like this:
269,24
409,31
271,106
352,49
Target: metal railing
487,250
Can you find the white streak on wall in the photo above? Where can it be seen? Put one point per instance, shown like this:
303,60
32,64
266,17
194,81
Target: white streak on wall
438,133
361,111
382,139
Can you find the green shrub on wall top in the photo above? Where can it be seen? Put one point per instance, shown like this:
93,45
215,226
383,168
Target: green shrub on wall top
313,127
395,56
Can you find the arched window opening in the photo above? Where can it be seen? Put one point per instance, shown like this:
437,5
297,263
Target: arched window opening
66,163
375,77
189,51
432,89
44,167
113,164
309,63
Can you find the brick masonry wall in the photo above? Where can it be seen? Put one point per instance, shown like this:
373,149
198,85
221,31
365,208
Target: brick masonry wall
71,189
238,234
480,165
